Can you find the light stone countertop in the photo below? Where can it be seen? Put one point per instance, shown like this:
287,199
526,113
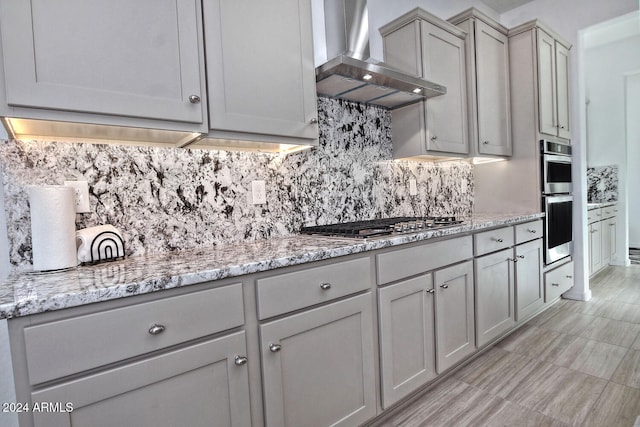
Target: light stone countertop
27,293
595,205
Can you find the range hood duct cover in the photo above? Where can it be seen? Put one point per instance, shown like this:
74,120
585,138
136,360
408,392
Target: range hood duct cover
351,74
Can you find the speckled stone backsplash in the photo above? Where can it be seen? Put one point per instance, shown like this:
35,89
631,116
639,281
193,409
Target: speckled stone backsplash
165,199
603,184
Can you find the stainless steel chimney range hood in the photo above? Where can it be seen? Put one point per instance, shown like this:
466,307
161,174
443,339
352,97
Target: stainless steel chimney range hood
351,75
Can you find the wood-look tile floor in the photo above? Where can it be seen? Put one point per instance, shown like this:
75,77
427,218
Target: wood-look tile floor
576,364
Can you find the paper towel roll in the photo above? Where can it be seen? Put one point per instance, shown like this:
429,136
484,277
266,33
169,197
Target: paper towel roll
53,227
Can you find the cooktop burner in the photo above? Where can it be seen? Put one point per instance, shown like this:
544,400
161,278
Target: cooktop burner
380,227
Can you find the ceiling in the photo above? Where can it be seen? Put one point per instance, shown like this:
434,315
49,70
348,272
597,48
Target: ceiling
502,6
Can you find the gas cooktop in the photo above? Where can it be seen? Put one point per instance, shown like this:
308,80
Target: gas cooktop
382,227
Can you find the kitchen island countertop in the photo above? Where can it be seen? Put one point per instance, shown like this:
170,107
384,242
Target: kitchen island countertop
25,293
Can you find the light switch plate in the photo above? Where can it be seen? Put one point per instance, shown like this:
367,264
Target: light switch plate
81,189
259,192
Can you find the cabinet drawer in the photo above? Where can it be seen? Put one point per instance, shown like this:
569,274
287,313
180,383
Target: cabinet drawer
64,347
608,212
492,240
408,262
292,291
558,281
594,215
528,231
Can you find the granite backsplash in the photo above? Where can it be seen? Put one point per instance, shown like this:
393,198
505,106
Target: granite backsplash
602,184
165,199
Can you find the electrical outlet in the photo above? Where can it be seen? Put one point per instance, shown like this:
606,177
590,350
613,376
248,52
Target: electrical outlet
82,195
413,187
259,192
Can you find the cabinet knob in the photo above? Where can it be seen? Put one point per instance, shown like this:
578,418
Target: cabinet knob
532,231
156,329
562,127
431,291
194,99
240,360
274,348
444,286
520,256
512,259
497,240
434,138
313,121
555,284
569,277
325,286
485,142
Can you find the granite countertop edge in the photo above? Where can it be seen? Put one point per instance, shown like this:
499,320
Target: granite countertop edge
26,293
595,205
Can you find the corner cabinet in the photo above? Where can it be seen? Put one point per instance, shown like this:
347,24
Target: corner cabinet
602,237
260,70
105,62
424,45
488,83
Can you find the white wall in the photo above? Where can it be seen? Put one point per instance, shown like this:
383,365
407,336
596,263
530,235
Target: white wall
605,69
633,156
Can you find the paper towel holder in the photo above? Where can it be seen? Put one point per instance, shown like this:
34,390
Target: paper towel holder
105,242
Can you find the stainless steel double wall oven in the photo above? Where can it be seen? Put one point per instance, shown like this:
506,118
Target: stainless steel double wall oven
557,200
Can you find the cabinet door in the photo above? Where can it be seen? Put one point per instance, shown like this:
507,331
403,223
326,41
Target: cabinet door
529,283
613,238
128,58
407,347
317,366
260,68
444,62
494,105
455,338
608,240
595,247
494,295
547,84
200,385
562,90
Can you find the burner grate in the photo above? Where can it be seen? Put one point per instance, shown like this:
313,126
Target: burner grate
379,227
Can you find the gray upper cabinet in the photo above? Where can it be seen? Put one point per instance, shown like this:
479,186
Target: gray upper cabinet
113,60
547,84
422,44
260,70
488,83
553,85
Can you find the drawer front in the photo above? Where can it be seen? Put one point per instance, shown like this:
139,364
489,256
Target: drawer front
493,240
68,346
609,212
528,231
408,262
292,291
558,281
594,215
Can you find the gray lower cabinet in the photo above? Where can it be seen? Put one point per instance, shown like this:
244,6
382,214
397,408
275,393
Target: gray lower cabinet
318,366
494,295
455,338
407,346
529,283
205,384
